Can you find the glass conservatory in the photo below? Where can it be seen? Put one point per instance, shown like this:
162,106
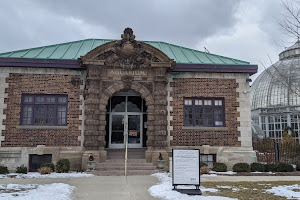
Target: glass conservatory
275,96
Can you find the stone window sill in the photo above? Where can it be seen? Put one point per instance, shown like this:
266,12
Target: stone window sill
204,128
42,127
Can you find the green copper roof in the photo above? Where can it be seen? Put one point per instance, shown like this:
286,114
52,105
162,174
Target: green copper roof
73,50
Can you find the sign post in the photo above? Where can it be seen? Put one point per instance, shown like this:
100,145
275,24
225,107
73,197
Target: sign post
186,170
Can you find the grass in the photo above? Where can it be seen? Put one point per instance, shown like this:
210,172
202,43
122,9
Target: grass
246,190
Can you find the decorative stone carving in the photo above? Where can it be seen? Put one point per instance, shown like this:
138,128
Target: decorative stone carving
128,53
148,85
127,81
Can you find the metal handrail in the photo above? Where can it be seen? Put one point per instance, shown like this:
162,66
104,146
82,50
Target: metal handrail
126,146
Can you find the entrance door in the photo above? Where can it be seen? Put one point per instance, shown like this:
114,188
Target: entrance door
127,123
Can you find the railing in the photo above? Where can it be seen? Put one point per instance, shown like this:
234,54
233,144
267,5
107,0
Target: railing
126,147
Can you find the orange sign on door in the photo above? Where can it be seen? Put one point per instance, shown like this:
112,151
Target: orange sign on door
133,133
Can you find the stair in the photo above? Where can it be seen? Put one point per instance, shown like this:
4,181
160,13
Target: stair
115,164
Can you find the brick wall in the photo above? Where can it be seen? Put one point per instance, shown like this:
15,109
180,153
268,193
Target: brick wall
204,87
41,84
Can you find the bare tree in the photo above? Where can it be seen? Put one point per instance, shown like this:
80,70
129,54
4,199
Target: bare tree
290,18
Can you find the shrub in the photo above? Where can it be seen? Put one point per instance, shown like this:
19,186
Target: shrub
219,167
285,167
204,170
63,166
270,167
45,170
257,167
241,167
3,170
298,167
50,165
21,170
202,164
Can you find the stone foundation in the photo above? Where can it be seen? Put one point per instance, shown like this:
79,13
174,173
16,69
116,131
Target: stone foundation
14,157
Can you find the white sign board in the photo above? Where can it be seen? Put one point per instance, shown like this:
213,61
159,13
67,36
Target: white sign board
186,167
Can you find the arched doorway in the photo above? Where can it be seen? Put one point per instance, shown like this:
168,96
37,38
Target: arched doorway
126,115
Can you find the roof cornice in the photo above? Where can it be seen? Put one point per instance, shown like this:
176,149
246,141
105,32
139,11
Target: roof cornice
75,65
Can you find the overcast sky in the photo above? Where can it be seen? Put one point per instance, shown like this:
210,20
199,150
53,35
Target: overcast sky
245,30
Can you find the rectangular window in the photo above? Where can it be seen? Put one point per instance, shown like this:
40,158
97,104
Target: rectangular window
206,112
209,159
44,110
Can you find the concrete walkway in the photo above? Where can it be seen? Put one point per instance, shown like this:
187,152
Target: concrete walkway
132,187
100,187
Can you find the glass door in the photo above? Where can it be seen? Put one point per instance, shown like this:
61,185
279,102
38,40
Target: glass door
117,131
126,118
134,131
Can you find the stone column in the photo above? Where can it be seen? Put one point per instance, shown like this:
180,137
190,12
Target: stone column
92,114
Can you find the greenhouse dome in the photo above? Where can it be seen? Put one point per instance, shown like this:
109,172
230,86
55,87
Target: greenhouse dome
275,96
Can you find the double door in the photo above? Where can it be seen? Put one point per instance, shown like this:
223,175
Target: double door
125,124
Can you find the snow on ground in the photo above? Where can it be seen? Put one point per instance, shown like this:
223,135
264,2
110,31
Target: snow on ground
225,173
54,191
164,190
223,186
286,191
52,175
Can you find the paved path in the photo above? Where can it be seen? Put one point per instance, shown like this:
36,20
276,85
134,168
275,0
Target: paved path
101,187
130,188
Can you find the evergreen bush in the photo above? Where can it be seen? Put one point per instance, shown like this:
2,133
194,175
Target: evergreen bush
50,165
284,167
63,166
298,167
21,170
219,167
204,170
241,167
270,167
45,170
202,164
257,167
3,170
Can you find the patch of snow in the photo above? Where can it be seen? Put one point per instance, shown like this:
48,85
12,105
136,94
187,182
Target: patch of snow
257,172
285,191
228,172
208,175
225,187
235,189
52,175
164,190
54,191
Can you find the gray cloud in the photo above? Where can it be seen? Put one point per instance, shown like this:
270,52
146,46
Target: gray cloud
33,22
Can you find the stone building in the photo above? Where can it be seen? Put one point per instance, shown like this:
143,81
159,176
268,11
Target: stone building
69,100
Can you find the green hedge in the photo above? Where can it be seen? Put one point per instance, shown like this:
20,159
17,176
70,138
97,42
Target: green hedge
63,166
241,167
3,170
284,167
21,170
298,167
219,167
257,167
270,167
50,165
202,164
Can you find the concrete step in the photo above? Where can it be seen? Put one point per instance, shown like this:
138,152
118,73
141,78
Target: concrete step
122,173
131,153
123,161
123,164
122,167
